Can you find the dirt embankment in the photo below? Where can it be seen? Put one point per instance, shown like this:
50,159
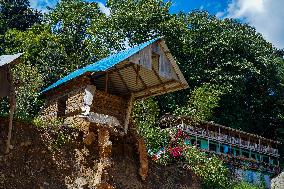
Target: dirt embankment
47,159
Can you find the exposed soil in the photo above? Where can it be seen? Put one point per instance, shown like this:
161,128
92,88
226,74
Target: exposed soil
45,159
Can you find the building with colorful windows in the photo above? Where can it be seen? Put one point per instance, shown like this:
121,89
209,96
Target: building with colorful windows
250,157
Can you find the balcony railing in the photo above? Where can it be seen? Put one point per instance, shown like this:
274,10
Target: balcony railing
222,138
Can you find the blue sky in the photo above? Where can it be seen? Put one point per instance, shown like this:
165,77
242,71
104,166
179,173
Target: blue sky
210,5
267,16
213,6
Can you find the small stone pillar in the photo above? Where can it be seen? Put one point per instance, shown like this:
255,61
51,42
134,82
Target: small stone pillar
105,148
143,158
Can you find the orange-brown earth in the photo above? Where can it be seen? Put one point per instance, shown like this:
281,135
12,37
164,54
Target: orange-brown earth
42,158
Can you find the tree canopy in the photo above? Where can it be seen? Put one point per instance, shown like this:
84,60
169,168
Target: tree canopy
247,70
16,14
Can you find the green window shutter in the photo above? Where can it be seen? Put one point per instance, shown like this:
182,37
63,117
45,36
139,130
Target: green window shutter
204,144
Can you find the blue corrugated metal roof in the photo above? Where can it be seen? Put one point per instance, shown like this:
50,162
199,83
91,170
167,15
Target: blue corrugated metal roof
102,65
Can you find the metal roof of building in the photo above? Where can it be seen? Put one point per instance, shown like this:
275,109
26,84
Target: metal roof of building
7,59
102,65
124,76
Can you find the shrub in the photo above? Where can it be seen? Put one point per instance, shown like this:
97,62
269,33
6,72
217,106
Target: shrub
245,185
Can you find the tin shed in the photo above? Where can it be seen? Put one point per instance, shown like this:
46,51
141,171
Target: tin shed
7,88
109,86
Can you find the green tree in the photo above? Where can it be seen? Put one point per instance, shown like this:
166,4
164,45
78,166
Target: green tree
280,132
225,52
202,102
133,22
28,81
145,117
16,14
212,171
213,51
63,41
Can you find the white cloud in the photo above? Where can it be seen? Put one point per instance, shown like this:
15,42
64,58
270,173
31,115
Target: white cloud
267,16
41,5
104,9
220,14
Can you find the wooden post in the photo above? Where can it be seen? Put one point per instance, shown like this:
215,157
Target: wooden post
128,113
240,139
208,142
219,133
249,144
12,100
207,129
207,133
219,138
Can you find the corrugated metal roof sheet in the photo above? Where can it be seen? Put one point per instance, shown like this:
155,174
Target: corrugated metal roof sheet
7,59
102,65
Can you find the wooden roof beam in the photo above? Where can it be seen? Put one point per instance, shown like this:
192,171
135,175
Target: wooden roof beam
158,77
121,78
146,88
158,91
158,85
